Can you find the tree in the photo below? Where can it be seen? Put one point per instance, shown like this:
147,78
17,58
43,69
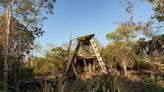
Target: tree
29,13
158,8
57,56
52,62
154,26
122,39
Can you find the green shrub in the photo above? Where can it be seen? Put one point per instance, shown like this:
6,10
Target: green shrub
150,85
27,73
144,65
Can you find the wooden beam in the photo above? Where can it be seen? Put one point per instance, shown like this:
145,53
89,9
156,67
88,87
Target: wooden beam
162,65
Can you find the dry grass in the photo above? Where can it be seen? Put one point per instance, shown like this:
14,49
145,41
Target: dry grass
110,83
106,83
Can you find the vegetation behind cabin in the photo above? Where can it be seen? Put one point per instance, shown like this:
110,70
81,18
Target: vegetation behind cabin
134,65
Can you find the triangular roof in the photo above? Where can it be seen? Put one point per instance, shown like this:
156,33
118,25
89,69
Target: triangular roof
84,40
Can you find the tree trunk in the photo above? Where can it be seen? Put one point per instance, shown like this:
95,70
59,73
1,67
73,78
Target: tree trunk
124,65
5,71
6,45
17,77
16,73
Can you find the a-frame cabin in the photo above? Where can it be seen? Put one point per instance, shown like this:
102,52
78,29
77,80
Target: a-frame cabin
86,59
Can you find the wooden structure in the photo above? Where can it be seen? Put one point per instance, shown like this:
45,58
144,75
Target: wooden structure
86,59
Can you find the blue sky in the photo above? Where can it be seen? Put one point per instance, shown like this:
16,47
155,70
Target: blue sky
81,17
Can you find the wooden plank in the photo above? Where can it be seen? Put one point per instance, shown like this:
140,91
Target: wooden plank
162,65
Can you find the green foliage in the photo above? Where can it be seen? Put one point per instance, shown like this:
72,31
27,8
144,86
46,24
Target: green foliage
151,85
21,24
144,65
154,26
140,45
122,38
52,62
57,57
158,8
27,73
124,32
